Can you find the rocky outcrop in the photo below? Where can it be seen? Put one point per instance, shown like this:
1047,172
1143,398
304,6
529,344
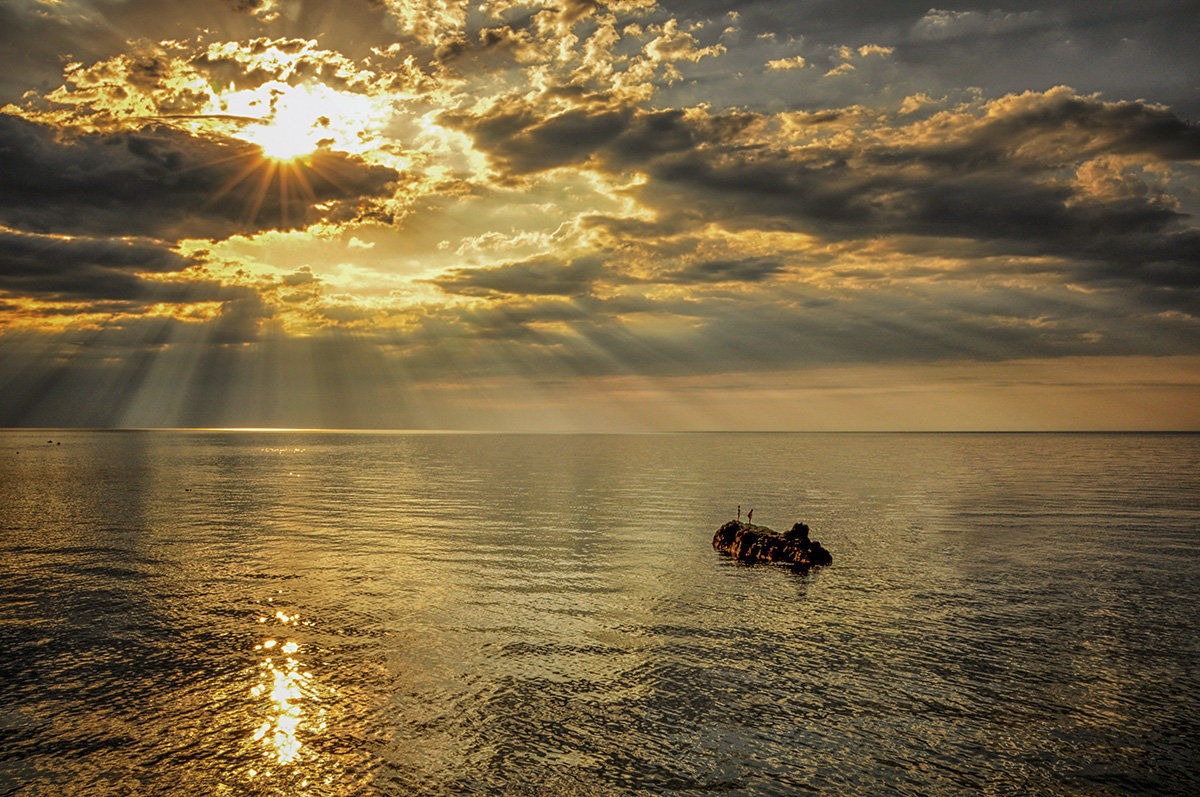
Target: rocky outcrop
749,543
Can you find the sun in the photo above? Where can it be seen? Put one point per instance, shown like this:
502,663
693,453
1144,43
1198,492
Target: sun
299,120
297,125
282,140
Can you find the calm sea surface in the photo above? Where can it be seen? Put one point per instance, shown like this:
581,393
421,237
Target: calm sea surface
331,614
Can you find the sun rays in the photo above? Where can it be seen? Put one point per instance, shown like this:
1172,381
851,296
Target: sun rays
584,194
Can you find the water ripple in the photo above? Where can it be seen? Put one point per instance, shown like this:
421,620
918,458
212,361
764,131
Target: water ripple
357,614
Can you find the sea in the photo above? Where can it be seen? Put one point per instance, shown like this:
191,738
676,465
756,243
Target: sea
362,613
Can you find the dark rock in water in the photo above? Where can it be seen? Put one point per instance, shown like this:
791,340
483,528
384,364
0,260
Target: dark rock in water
749,543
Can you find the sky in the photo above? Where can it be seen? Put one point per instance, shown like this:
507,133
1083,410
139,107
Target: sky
600,215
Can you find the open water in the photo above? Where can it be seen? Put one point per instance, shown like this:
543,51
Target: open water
203,613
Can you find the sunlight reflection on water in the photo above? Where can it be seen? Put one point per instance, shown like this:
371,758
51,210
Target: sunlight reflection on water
289,709
285,684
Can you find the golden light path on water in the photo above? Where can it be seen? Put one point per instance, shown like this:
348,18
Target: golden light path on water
289,690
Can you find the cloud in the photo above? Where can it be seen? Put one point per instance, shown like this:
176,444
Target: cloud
991,172
163,183
991,176
748,269
613,136
868,50
591,189
941,24
784,64
672,44
539,276
35,37
51,267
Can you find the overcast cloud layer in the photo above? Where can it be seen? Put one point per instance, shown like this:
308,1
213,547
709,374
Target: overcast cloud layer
599,214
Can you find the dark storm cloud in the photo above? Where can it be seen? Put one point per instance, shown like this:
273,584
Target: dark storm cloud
998,181
1028,132
48,267
996,185
1131,242
912,179
162,183
522,142
1057,127
27,252
539,276
773,191
748,269
1011,178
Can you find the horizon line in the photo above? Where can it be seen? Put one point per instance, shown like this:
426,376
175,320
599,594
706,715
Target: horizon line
419,431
